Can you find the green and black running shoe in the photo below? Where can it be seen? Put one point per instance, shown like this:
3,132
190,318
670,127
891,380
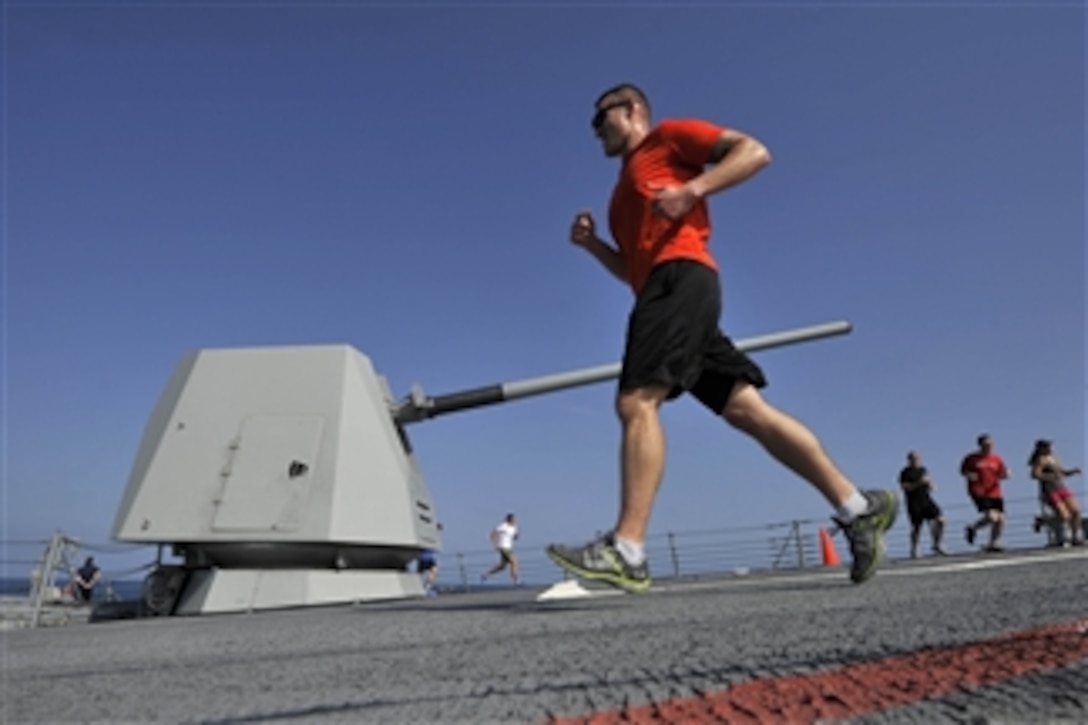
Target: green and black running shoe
600,561
866,533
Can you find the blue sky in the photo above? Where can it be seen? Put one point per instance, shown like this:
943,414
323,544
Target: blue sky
180,176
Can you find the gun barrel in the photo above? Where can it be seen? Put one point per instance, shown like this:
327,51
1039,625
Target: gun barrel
420,408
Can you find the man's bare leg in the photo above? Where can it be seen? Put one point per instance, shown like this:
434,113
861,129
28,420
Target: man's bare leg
936,528
642,458
997,524
790,442
973,529
863,516
514,569
620,558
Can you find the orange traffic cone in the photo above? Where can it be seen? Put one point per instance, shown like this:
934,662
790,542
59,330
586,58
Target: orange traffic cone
827,549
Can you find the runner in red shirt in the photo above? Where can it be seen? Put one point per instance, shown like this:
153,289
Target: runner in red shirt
660,223
984,471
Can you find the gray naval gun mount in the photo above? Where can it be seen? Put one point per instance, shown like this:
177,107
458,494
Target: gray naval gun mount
283,476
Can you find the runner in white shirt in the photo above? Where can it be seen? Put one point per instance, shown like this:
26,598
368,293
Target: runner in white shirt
502,538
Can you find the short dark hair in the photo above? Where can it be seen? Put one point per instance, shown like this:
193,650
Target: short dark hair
629,90
983,437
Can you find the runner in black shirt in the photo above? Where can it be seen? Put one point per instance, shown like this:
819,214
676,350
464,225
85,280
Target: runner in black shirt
920,504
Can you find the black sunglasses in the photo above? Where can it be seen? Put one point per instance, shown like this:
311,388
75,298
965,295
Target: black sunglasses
598,117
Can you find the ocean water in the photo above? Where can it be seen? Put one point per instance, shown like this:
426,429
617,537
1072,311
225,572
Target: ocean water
127,590
130,590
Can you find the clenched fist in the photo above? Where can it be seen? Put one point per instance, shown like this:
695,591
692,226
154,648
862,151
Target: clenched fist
672,202
584,230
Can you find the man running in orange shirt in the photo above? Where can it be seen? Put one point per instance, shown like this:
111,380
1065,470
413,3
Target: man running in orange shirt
659,219
984,471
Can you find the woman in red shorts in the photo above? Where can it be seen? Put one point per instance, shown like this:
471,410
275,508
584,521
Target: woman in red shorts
1048,471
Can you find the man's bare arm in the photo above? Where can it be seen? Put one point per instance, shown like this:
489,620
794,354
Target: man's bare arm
583,233
735,158
608,257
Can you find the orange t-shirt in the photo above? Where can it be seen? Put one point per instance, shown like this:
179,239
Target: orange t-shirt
672,154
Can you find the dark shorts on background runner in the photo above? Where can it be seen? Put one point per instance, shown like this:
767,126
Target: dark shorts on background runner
922,508
984,504
673,338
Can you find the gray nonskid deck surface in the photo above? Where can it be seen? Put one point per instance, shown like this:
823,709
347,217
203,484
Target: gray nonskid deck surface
503,657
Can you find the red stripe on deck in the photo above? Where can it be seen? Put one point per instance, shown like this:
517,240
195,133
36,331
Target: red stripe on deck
868,687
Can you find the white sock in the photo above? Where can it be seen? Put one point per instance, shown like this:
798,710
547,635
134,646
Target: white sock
852,507
633,552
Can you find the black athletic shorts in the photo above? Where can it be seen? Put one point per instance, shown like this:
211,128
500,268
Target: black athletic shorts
984,504
673,338
922,508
